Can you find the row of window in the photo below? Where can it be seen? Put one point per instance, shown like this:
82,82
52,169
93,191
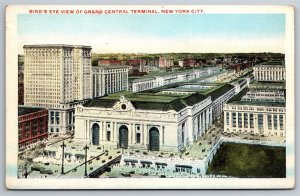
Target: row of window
238,119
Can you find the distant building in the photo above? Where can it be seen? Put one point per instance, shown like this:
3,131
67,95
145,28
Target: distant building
104,62
165,62
57,77
147,82
109,79
33,127
270,71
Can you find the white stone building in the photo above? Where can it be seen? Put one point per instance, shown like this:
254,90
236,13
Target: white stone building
270,71
156,80
57,77
109,79
256,111
144,121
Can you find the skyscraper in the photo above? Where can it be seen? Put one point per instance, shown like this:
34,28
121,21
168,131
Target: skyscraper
57,77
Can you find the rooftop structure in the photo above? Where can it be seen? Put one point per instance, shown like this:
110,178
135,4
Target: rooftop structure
28,110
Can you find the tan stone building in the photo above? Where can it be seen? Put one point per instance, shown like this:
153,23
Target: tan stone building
57,77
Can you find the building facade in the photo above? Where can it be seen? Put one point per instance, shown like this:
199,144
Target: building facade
256,111
144,121
33,127
109,79
165,62
57,77
270,71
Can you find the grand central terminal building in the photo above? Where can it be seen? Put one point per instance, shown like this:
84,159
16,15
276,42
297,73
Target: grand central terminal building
162,119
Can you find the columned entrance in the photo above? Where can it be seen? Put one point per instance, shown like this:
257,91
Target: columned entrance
95,134
123,136
154,139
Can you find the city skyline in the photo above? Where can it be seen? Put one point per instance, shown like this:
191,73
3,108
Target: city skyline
205,33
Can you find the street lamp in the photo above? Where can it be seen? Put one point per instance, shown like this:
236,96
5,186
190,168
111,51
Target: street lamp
85,160
63,156
26,172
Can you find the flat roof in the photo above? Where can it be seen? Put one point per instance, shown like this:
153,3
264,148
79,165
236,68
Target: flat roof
236,100
267,84
271,64
109,67
27,110
55,46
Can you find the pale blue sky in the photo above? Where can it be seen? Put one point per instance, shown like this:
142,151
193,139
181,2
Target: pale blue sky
103,31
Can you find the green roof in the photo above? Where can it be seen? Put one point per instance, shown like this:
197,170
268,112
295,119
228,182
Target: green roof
269,85
147,101
218,91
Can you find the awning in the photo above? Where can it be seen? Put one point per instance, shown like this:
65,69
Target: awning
130,160
158,163
146,162
186,166
79,155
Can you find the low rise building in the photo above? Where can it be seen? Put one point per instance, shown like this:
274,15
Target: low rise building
257,111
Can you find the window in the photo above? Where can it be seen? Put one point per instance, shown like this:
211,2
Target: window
260,121
108,135
240,124
57,117
251,121
52,117
269,121
227,118
245,120
233,119
138,138
275,121
281,121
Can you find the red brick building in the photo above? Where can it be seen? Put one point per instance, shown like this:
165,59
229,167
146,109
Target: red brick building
33,126
20,85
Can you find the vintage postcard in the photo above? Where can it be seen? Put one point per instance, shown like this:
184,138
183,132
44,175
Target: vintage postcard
150,97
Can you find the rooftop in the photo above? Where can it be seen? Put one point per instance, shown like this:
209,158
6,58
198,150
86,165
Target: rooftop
28,110
236,100
148,101
55,46
109,67
218,91
269,85
271,64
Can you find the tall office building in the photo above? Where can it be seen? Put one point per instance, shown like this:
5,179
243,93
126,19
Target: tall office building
57,77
